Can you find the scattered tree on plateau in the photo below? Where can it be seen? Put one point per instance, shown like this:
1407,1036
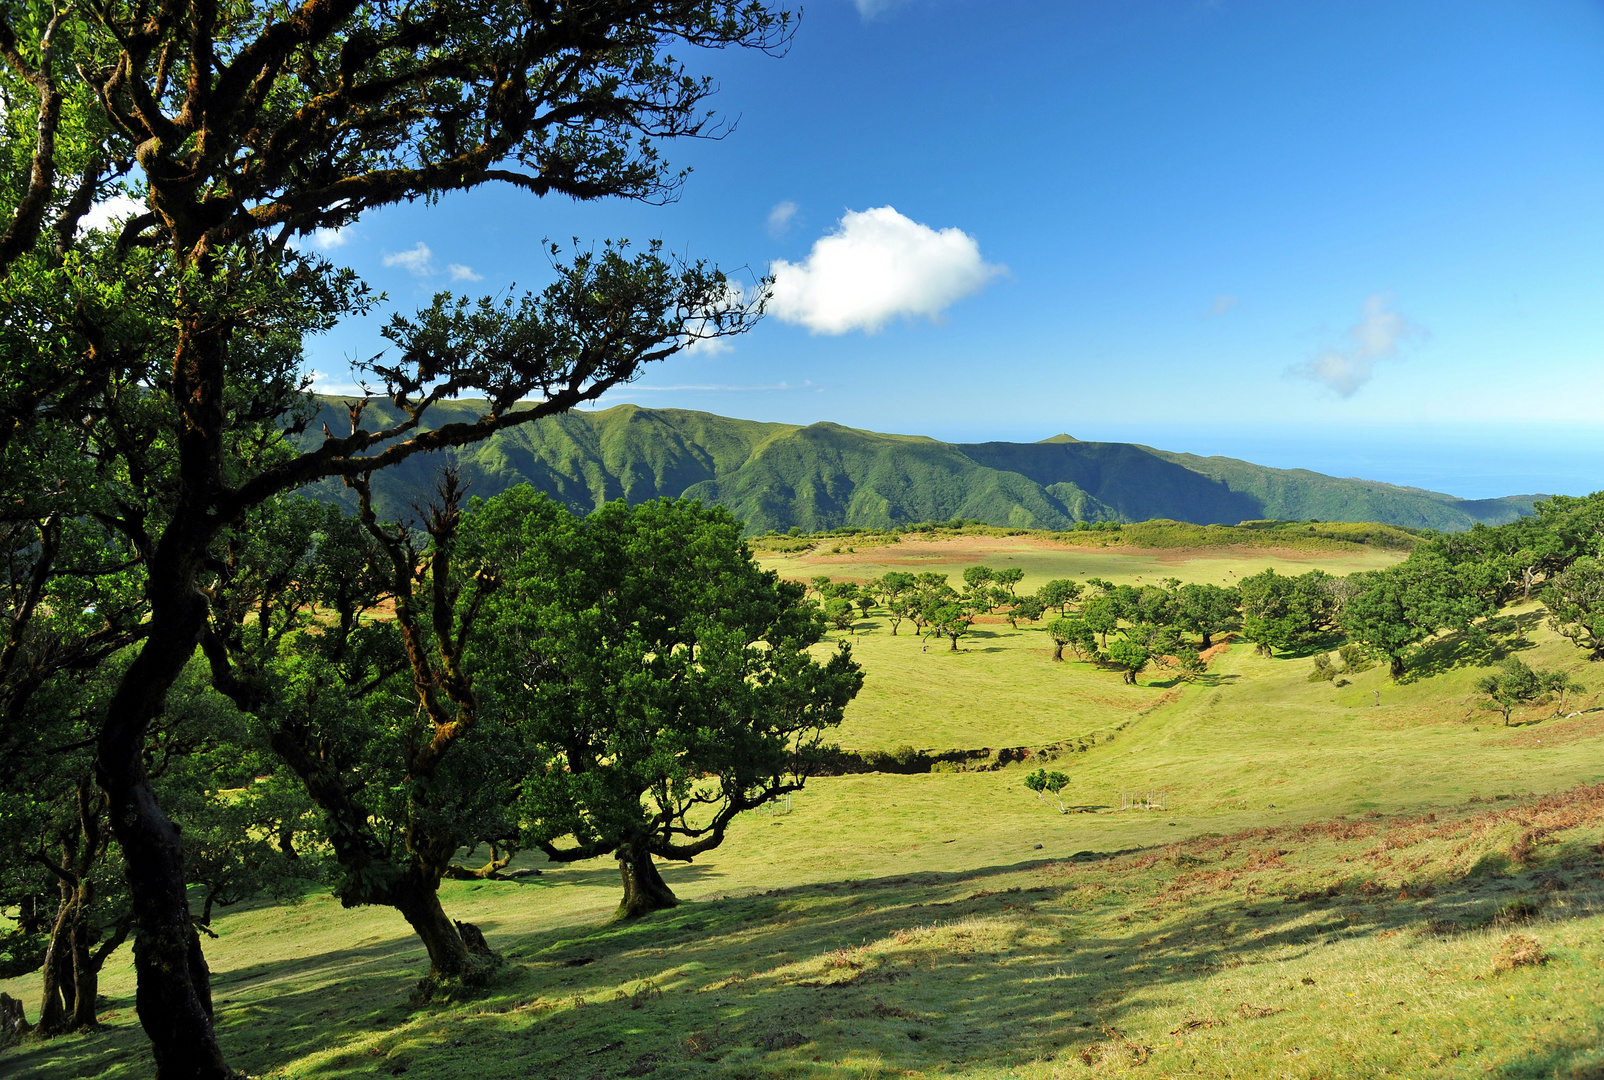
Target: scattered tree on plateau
1059,593
1516,684
1206,610
1043,782
1280,612
659,678
1074,633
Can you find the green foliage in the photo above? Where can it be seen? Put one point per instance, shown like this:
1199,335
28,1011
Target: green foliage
1355,657
1206,610
1281,612
1324,669
660,679
1514,684
1043,782
1075,633
1575,601
838,612
1059,593
1025,609
1393,611
1130,656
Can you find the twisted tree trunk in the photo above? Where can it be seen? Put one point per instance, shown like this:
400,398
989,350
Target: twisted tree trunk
645,891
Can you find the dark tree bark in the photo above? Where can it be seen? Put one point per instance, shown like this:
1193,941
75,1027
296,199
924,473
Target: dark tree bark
58,971
645,891
174,998
72,967
1058,650
419,903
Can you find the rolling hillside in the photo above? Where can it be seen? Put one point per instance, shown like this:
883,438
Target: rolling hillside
824,476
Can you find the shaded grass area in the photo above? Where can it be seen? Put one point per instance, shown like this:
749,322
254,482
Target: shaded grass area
1356,947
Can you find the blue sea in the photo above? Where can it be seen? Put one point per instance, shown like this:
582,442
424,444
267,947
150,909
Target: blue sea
1472,462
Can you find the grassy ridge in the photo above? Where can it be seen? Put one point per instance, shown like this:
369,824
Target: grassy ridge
825,476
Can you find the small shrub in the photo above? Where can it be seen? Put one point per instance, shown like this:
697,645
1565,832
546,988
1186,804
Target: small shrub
1355,657
1518,950
1323,669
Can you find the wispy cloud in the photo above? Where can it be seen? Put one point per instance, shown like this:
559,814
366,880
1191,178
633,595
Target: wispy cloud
781,216
417,259
876,266
1376,337
460,272
1222,303
870,8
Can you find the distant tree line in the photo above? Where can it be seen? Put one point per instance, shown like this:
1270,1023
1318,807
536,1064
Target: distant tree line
1451,582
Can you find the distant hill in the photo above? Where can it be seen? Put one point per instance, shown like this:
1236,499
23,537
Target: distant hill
825,476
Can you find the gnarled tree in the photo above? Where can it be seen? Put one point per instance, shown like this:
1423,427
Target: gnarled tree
659,676
173,354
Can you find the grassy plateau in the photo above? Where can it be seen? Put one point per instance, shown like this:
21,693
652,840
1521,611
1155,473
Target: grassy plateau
1357,878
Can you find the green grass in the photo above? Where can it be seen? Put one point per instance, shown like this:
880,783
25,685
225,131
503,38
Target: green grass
1044,558
954,924
1001,689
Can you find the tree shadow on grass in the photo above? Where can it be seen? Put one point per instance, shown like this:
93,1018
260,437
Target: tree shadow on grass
1489,642
983,968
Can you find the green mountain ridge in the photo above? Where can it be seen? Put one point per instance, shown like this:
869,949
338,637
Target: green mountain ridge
823,476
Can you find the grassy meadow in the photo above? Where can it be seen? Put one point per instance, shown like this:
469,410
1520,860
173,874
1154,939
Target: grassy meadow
1351,879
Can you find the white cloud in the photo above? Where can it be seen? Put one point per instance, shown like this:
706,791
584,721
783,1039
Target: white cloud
870,8
780,217
876,266
328,239
418,259
1221,305
1375,337
459,272
321,240
707,346
696,345
111,214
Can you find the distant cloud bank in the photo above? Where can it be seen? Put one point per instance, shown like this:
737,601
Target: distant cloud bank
877,266
1375,337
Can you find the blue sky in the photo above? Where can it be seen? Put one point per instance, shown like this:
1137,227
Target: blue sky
1366,238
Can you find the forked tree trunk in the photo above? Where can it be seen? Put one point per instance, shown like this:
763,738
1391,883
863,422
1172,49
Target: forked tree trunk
645,891
1058,650
54,1007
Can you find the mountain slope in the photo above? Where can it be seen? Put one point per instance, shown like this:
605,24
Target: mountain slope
823,476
